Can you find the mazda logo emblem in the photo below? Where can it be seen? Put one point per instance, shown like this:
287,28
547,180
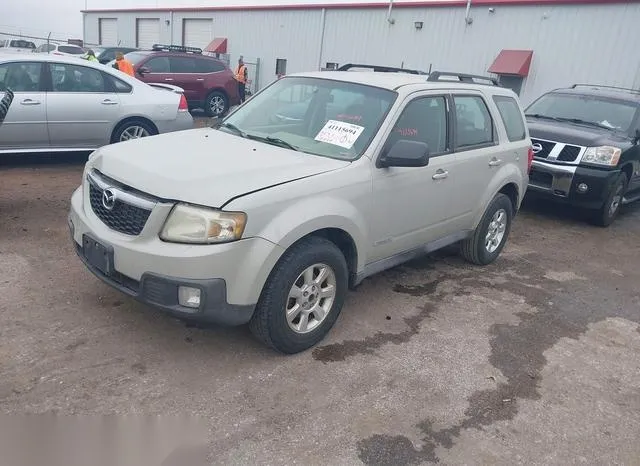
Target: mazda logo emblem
108,199
536,148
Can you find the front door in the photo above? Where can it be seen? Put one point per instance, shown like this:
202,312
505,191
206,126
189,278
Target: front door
25,126
414,203
82,108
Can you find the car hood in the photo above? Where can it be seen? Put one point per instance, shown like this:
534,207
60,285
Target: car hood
205,166
571,133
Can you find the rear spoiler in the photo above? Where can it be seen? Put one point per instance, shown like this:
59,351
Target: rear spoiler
167,87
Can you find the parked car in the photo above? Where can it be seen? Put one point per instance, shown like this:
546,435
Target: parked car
16,46
586,153
271,223
208,83
107,54
64,104
61,49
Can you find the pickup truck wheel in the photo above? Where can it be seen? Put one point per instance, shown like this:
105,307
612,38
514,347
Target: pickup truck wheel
611,208
302,298
490,236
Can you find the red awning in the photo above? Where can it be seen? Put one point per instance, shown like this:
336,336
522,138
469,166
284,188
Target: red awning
514,62
217,45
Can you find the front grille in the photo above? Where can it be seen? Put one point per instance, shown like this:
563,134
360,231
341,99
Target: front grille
547,147
569,153
124,218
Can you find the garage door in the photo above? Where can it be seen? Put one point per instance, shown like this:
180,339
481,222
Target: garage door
108,31
197,32
147,32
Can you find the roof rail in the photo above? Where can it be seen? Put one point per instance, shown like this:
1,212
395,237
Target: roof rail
175,48
462,77
598,86
381,69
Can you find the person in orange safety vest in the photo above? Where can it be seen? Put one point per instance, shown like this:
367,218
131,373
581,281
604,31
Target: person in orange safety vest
242,75
123,64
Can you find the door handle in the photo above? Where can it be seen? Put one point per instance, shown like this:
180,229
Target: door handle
168,79
495,162
109,102
200,79
30,102
440,175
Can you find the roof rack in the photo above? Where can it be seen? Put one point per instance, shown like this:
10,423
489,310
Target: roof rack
175,48
381,69
462,77
598,86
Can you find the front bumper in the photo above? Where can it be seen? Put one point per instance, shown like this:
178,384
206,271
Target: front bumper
560,183
229,276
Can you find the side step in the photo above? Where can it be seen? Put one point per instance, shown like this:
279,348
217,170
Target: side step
631,197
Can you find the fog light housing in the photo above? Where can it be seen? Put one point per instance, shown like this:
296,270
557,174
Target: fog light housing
189,296
583,188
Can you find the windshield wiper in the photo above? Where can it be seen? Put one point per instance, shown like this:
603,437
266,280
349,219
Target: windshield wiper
542,117
274,141
585,122
234,128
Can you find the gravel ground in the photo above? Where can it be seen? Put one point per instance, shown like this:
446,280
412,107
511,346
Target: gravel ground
532,360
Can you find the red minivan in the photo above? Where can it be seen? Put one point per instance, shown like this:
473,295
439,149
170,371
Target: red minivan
208,83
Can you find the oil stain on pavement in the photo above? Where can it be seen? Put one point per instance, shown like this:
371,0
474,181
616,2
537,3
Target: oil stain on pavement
517,350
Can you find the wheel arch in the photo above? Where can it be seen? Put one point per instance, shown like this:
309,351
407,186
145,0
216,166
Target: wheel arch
130,119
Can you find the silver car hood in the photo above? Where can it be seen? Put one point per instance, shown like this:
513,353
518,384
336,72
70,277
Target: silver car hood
204,166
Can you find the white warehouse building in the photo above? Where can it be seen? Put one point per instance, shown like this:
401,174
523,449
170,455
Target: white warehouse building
531,45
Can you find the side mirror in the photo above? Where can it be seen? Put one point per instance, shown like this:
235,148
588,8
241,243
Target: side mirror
143,70
405,153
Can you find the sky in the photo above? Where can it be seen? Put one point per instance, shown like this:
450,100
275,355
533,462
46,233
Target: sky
62,18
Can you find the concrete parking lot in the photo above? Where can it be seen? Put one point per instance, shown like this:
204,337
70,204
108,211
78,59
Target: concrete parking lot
533,360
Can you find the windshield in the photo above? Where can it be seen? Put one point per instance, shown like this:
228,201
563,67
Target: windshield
600,111
318,116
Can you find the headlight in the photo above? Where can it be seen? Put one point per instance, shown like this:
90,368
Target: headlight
199,225
603,155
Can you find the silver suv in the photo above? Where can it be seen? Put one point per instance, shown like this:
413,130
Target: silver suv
269,221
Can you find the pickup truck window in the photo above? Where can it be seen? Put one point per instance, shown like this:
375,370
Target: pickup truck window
595,110
511,117
474,126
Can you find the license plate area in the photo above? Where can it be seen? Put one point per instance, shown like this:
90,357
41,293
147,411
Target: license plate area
98,255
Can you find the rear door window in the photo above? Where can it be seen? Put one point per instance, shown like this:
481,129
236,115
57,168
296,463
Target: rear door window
73,78
511,117
182,65
474,126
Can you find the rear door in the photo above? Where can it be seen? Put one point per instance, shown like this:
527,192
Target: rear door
183,72
25,126
479,153
82,107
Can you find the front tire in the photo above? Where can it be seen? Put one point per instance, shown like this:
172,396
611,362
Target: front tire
491,234
302,298
216,104
609,211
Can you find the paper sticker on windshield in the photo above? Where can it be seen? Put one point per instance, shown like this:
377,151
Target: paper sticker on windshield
339,133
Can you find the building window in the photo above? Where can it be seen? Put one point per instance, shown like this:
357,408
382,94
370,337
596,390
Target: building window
332,66
512,82
281,66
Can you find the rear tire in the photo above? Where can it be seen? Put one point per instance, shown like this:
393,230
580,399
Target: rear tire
491,234
609,211
216,104
297,308
132,129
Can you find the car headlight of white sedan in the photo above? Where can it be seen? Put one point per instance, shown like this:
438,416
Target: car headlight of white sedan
202,225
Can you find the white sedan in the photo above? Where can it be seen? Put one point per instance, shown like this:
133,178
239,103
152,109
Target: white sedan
65,104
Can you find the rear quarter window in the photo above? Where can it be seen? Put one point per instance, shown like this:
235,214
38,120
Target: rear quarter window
511,117
71,50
